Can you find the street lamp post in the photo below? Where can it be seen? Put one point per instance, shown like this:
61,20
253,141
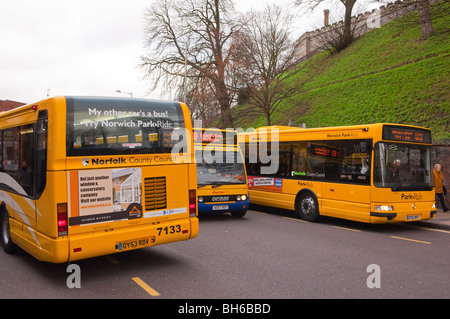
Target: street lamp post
185,73
119,91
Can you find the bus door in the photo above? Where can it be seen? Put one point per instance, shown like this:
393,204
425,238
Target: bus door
18,171
346,201
350,194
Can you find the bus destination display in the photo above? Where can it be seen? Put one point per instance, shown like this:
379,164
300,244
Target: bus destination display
215,137
398,133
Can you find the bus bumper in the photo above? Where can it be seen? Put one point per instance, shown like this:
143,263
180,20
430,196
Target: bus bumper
223,207
381,217
82,246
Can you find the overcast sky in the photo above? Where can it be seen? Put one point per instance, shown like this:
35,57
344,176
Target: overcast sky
76,47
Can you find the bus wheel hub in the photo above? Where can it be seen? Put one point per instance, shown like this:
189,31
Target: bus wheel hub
308,205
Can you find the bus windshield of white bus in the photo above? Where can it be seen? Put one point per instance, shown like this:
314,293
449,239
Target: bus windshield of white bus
402,166
113,126
219,168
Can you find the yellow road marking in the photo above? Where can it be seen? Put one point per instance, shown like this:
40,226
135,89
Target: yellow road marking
357,230
146,287
255,211
112,260
426,228
414,240
296,219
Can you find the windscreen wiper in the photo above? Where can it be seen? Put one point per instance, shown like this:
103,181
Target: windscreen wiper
213,183
217,184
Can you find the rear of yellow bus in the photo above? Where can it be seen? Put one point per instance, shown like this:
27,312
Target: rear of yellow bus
120,175
402,188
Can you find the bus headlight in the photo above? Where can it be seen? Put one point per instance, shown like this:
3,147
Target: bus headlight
384,208
243,197
200,199
433,206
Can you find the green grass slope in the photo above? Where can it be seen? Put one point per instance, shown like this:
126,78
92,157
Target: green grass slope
388,75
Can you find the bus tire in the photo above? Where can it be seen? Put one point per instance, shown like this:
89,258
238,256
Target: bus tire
5,235
239,214
307,207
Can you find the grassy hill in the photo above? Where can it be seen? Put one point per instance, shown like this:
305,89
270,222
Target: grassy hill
388,75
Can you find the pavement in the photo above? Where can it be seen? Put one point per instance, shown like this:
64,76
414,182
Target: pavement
440,221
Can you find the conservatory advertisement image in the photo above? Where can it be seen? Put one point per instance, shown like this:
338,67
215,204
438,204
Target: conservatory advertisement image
105,195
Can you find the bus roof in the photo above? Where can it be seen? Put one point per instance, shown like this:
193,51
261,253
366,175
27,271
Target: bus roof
363,131
326,128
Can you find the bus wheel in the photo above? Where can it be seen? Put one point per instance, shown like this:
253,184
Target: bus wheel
5,237
307,207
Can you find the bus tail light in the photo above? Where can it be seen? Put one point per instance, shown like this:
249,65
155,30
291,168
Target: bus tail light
61,210
192,203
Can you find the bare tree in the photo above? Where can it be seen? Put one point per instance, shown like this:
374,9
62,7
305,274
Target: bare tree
441,9
201,99
346,37
333,37
192,34
263,57
426,26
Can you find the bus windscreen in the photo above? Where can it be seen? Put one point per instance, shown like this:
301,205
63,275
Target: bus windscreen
220,168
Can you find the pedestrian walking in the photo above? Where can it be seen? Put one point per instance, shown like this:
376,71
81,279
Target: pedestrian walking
439,185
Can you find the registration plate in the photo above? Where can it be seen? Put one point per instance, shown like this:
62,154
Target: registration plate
412,217
133,244
220,207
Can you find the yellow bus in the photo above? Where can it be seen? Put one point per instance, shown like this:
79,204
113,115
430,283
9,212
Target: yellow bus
221,175
89,176
376,173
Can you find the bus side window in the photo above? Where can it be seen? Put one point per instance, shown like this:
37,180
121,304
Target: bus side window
41,153
285,156
11,152
26,143
253,167
300,164
356,161
332,160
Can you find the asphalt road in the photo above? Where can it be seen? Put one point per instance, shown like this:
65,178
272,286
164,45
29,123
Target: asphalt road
265,255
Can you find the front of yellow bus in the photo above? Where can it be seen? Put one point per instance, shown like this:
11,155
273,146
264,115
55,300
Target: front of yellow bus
402,175
221,176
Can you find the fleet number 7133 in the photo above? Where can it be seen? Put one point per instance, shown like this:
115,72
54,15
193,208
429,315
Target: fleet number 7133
169,230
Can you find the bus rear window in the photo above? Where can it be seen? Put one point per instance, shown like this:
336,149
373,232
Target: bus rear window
111,126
